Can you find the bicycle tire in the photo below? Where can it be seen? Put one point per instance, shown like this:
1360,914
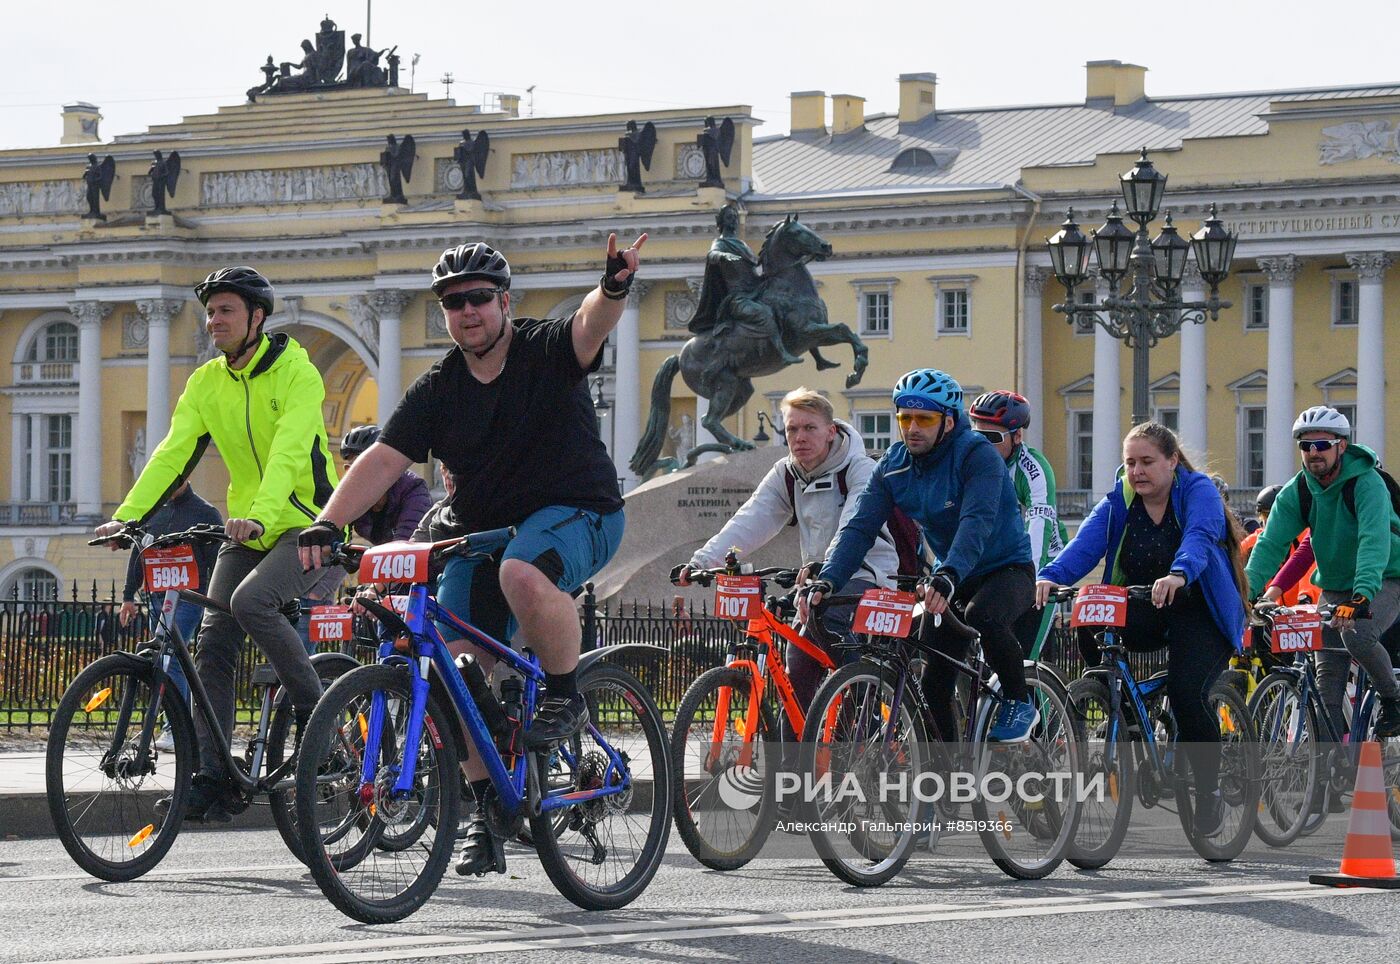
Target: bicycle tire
1239,779
284,802
608,689
699,810
145,833
1052,748
861,858
1099,836
1285,755
347,887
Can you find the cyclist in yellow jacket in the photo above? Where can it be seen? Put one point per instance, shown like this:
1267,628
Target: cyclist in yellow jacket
260,404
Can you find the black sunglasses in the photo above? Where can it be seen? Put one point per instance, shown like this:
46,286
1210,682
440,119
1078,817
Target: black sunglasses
1316,444
993,436
476,297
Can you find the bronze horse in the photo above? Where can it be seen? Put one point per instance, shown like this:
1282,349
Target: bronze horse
720,366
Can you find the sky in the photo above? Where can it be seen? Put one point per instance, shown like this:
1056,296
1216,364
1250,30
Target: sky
176,59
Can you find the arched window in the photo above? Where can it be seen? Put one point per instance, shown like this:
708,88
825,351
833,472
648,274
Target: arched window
56,342
32,584
914,160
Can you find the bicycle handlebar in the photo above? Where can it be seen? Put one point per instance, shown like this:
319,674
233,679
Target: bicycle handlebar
786,578
1068,593
133,534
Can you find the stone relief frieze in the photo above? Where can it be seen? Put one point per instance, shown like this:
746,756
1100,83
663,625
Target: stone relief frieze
1359,140
690,162
135,332
567,168
42,197
293,185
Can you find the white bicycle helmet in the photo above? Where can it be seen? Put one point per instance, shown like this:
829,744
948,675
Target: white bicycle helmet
1320,418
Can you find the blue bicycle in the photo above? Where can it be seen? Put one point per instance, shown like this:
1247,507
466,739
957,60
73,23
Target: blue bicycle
1129,738
379,763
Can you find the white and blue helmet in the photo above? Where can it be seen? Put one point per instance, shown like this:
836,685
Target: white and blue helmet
929,389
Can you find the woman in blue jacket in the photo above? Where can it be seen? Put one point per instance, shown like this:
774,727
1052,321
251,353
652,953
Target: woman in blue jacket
1164,525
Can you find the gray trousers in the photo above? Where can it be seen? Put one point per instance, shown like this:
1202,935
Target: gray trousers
255,585
1363,643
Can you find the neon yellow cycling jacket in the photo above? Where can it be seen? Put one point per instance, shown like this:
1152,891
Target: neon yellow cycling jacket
266,422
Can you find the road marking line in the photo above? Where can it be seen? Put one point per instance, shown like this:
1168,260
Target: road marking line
567,936
196,872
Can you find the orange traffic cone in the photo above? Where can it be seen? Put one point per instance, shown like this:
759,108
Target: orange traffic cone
1367,859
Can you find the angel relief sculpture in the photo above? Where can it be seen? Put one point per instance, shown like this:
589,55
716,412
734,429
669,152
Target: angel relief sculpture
637,146
98,178
397,161
471,155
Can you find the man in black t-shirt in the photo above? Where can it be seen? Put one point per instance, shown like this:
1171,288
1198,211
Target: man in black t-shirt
507,411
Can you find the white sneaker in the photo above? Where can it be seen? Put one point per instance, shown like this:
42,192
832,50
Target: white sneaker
166,741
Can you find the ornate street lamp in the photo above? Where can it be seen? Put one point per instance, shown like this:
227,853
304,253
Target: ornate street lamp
762,436
1151,308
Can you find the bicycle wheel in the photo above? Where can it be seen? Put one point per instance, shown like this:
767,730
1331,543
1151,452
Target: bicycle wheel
284,801
1239,779
1390,763
864,837
610,847
1289,760
1103,816
1029,832
101,791
725,787
339,820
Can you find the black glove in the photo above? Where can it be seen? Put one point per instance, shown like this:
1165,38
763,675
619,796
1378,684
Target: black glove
823,586
322,532
612,288
943,582
1358,608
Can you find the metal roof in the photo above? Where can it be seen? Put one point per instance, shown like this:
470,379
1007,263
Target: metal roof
990,146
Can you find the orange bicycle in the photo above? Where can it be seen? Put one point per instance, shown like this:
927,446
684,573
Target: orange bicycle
725,745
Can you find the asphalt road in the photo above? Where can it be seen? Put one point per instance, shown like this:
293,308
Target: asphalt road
237,896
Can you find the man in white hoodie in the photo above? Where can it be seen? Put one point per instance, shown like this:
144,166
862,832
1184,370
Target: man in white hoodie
814,488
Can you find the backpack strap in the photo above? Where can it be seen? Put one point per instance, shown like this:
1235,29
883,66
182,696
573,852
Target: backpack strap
1305,500
841,482
791,484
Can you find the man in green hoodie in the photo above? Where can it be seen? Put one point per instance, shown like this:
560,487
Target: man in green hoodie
1356,541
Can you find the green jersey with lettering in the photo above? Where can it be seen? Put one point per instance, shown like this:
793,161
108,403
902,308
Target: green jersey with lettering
1035,490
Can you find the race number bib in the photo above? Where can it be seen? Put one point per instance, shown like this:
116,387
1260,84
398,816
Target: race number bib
398,604
395,562
1296,633
1100,606
330,624
171,567
737,597
885,612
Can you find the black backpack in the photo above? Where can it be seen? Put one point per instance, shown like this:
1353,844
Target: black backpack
908,537
1305,497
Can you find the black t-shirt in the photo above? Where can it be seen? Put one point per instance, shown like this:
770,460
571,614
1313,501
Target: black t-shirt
1148,547
527,440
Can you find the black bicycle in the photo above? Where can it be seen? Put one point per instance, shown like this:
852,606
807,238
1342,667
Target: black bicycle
104,774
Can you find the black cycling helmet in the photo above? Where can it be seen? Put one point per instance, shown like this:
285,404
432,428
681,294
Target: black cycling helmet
469,262
1007,409
358,440
241,280
1264,501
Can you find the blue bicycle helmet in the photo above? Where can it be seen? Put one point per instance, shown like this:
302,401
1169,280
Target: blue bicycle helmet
929,389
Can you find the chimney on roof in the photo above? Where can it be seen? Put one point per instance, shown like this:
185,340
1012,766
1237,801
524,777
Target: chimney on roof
916,97
510,103
847,113
80,123
1113,83
808,111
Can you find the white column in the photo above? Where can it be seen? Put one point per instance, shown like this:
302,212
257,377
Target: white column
1191,407
1108,406
627,385
1280,460
36,457
388,305
87,444
158,313
1370,349
1032,364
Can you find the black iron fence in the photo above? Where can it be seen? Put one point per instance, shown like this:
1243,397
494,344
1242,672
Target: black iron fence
44,645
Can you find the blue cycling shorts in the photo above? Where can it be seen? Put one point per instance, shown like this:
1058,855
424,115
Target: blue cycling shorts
566,544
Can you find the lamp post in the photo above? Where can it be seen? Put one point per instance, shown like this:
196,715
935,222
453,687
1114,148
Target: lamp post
1151,308
762,437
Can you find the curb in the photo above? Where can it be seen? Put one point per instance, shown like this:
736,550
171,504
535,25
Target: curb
25,816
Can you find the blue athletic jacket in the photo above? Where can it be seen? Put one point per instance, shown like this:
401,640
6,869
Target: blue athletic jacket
961,496
1203,555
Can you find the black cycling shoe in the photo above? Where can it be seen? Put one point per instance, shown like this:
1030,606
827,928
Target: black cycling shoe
482,852
558,718
206,803
1209,818
1388,723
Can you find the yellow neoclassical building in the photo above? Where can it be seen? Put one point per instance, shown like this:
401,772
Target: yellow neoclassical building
937,220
